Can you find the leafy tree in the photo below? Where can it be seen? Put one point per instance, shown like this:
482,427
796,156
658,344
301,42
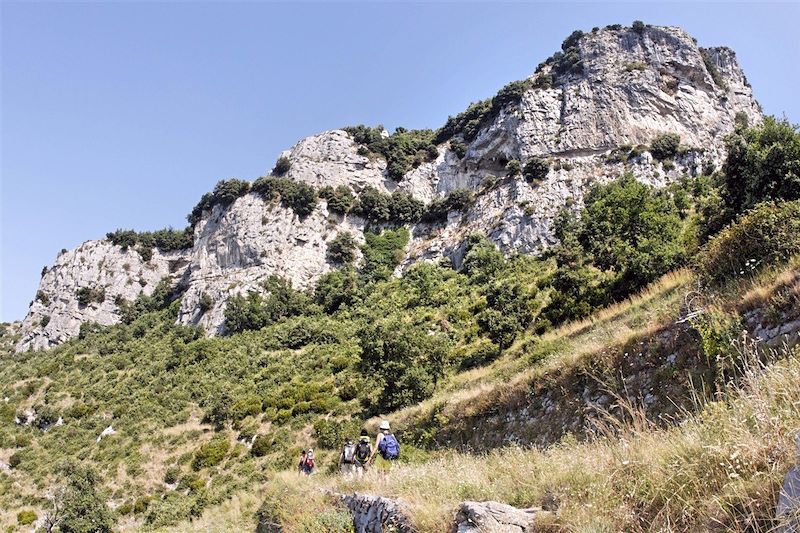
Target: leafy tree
403,361
282,166
206,302
536,169
513,168
373,205
244,313
511,306
482,259
254,311
405,209
125,238
336,289
478,115
665,146
382,252
87,295
161,298
340,200
296,195
225,193
578,286
341,249
767,234
763,163
403,150
83,509
211,453
632,229
456,200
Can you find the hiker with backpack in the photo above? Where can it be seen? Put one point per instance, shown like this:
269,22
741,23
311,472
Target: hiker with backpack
307,464
387,448
301,466
363,453
347,459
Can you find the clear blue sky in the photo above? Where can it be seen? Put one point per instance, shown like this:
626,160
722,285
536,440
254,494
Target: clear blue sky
120,115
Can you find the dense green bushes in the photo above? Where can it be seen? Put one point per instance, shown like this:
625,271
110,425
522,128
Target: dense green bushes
398,208
536,169
255,311
296,195
665,146
166,240
403,150
225,193
342,248
282,166
632,229
383,252
340,200
763,164
628,235
82,507
478,115
514,168
212,452
402,364
88,295
26,518
568,59
456,200
768,234
332,434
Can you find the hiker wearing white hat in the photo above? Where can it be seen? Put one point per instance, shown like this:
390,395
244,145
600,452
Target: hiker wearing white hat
387,449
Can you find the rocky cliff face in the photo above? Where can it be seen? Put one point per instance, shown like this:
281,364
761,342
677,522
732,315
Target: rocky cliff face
633,86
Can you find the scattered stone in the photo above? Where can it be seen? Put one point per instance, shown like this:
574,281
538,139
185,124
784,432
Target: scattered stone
494,517
106,432
374,514
788,509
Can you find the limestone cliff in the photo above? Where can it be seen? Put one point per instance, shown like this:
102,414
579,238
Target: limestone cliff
606,92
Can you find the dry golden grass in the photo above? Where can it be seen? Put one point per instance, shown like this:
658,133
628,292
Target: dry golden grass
720,471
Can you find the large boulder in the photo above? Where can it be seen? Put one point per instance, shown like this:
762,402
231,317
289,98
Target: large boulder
494,517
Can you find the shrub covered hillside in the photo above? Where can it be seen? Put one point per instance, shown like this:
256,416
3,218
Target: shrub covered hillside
146,424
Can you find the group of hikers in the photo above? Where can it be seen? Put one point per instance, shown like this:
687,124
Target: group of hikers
356,457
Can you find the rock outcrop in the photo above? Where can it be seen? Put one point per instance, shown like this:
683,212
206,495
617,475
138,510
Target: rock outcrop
632,86
494,517
787,512
374,514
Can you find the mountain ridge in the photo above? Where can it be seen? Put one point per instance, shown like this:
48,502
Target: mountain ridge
592,111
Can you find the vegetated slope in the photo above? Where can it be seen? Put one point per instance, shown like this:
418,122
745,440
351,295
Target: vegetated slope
645,100
626,470
167,426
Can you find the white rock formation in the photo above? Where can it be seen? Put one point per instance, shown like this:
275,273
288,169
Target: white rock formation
634,86
494,517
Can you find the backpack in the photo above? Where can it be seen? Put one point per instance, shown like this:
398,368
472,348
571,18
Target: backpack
389,447
310,463
362,451
349,453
